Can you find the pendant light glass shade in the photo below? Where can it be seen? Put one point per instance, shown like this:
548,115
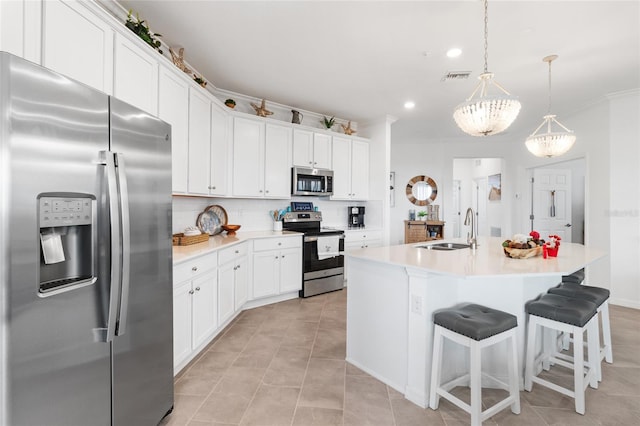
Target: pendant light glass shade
553,142
483,113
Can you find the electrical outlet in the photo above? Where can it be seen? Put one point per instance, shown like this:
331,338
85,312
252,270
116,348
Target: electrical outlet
416,304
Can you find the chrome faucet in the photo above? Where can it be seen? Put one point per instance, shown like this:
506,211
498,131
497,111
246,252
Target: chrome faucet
471,217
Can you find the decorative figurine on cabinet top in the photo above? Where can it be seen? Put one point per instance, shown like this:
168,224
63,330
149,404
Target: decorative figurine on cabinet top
178,60
348,130
261,110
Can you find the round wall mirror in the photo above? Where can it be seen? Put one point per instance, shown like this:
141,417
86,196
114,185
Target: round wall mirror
421,190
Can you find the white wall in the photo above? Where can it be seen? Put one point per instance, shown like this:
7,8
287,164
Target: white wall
608,133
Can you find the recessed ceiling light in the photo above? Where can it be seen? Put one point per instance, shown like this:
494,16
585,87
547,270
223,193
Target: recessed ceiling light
454,52
409,105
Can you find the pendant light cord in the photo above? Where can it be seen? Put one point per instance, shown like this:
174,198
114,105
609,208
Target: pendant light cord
486,34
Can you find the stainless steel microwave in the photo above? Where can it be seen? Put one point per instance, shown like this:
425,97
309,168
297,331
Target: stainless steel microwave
318,182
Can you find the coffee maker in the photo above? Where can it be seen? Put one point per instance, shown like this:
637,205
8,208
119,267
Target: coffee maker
356,217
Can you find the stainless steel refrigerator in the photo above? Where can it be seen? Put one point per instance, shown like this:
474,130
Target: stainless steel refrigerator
85,255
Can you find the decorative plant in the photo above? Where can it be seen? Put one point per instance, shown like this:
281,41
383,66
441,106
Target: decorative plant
328,122
142,30
199,80
422,214
230,103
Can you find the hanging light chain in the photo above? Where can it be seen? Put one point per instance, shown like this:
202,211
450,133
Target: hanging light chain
549,108
486,35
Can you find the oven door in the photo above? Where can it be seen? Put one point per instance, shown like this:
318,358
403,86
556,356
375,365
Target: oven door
311,261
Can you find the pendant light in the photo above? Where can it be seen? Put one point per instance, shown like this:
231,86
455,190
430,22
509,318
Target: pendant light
487,114
550,144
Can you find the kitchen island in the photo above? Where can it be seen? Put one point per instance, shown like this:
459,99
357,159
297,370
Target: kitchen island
394,291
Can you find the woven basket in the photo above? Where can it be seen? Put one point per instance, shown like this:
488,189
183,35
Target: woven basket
516,253
182,240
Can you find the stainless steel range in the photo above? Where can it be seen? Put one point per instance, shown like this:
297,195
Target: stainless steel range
322,251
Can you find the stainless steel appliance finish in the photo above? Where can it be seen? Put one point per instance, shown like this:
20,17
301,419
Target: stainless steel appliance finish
94,345
318,182
319,275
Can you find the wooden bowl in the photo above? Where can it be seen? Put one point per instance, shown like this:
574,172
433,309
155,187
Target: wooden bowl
515,253
231,229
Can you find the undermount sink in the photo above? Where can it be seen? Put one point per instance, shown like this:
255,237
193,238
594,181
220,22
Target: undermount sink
445,246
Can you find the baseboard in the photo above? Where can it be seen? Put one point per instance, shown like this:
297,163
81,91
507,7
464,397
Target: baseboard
395,386
627,303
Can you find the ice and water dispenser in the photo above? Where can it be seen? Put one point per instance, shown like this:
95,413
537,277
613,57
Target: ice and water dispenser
66,229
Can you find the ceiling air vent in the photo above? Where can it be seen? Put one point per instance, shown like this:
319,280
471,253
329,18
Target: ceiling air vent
456,75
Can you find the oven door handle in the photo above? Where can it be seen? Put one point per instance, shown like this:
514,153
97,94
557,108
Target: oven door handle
312,238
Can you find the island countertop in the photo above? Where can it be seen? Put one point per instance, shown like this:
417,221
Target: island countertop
485,261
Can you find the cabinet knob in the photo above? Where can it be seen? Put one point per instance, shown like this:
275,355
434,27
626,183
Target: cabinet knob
197,288
310,162
195,268
282,256
191,292
235,267
276,257
212,187
238,266
279,244
237,251
260,191
266,191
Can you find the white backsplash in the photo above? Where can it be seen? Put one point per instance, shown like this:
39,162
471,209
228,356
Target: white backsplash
253,215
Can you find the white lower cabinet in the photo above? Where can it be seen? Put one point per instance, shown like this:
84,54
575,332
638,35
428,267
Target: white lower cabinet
358,239
195,306
277,266
232,281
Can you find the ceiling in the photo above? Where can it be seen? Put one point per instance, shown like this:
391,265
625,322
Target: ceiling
361,60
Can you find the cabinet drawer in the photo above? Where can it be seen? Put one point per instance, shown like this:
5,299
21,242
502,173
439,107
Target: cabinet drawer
231,253
193,267
362,235
277,243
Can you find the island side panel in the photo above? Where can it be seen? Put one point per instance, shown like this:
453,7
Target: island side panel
377,308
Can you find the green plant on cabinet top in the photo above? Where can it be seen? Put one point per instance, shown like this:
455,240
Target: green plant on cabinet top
142,30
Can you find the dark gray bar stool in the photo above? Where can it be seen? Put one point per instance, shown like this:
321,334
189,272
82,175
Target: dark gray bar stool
599,296
566,315
475,327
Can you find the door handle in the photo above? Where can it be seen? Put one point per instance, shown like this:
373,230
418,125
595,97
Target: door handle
125,227
107,159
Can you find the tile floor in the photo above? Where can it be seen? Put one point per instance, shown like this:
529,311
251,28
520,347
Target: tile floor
284,364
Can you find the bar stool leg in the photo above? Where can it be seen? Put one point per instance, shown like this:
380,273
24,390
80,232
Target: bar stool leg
434,398
475,378
593,352
578,373
606,331
530,353
514,386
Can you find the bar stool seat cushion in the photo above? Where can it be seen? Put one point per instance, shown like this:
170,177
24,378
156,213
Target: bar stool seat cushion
576,278
563,309
475,321
596,295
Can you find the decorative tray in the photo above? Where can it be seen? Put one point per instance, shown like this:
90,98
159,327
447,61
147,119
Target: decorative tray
516,253
210,221
183,240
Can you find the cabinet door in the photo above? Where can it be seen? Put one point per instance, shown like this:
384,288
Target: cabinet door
135,75
199,142
302,148
341,169
241,282
359,170
181,322
277,162
265,273
248,155
219,152
321,151
226,282
173,107
77,44
205,318
290,270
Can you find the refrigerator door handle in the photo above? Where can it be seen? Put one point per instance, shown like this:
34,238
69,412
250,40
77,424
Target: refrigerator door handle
114,214
126,243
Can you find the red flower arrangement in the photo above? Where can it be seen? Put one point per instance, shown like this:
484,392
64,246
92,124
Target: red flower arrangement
535,235
553,245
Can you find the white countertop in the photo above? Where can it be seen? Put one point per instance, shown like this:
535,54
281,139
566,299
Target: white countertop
487,260
182,253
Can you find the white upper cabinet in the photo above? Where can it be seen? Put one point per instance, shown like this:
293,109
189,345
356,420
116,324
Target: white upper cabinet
261,159
199,142
219,185
277,161
350,169
136,75
311,149
76,43
173,107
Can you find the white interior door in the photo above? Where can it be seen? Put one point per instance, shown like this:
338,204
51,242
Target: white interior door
479,201
552,203
456,209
